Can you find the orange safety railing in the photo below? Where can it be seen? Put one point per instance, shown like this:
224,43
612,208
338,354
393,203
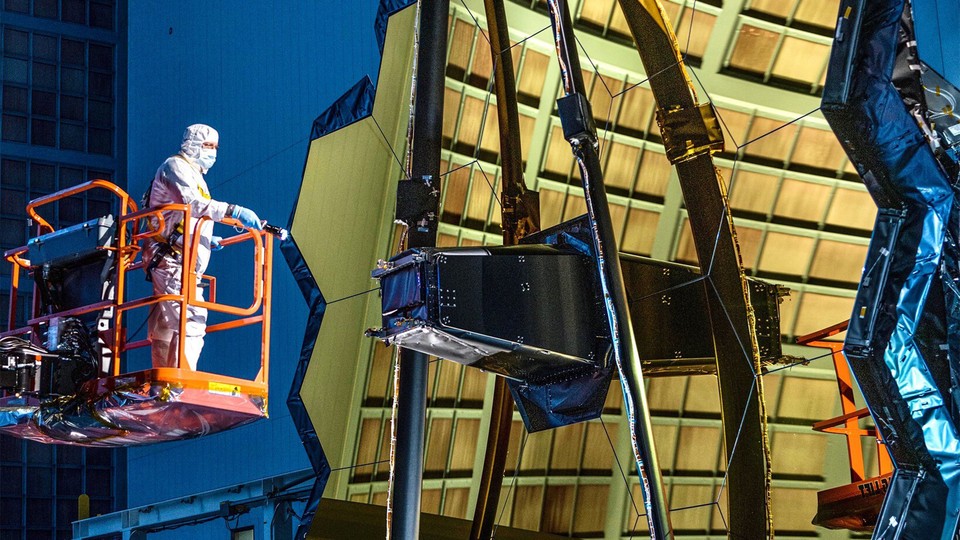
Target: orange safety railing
848,423
127,245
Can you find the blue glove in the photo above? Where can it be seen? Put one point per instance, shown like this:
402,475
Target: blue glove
247,217
215,243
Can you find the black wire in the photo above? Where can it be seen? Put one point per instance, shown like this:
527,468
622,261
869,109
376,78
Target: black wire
464,166
596,71
259,163
635,523
686,48
475,21
390,146
354,295
623,475
936,5
778,128
142,324
357,466
489,183
516,472
524,40
736,443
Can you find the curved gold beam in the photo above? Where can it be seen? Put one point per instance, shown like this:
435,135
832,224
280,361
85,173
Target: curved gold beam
690,134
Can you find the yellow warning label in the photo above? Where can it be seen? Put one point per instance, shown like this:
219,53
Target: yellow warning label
221,388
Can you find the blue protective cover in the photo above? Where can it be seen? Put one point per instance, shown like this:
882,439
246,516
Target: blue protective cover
897,328
317,306
353,106
386,9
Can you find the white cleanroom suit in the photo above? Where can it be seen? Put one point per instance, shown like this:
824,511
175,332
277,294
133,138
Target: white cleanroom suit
179,180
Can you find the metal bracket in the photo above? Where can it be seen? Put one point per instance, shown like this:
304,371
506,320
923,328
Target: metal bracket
689,132
417,202
576,117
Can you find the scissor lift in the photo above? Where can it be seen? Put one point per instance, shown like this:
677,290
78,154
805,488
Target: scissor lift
854,506
119,408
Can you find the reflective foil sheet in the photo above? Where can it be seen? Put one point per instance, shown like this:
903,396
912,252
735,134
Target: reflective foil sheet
145,407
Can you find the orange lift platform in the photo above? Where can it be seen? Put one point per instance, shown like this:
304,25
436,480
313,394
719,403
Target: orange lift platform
854,506
111,407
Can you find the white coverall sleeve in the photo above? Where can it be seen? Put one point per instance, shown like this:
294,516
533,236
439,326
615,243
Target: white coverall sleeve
181,176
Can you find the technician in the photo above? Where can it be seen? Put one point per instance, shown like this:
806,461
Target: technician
179,180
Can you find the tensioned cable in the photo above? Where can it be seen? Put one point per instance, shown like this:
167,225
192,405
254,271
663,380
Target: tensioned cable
493,190
686,47
354,295
636,522
726,313
726,208
464,166
390,146
709,99
476,22
259,163
293,145
368,464
524,40
735,446
486,108
943,60
623,475
669,289
607,132
778,128
516,473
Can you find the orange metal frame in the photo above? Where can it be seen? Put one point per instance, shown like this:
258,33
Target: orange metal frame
847,424
127,244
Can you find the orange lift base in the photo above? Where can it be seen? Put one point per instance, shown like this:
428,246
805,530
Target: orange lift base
854,506
143,407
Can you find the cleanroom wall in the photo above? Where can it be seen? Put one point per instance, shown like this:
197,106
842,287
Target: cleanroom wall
259,72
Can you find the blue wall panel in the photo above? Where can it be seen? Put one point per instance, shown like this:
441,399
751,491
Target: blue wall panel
259,72
937,37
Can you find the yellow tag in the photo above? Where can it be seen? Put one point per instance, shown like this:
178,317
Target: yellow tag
221,388
846,14
83,506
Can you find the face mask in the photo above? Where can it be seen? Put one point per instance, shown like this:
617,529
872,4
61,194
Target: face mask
207,157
